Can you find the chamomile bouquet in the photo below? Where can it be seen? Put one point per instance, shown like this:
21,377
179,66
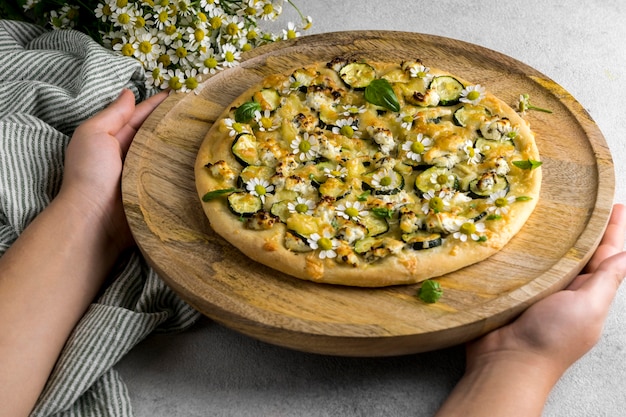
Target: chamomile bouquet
178,42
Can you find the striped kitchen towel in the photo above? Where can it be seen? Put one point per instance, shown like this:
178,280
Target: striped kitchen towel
51,81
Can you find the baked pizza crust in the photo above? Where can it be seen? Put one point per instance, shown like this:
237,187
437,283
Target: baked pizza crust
407,266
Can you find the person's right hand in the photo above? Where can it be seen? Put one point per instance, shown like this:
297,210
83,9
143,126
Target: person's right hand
561,328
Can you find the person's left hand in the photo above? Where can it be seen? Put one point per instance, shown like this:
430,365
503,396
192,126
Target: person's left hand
94,160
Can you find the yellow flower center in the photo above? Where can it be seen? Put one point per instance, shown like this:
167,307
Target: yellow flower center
123,18
210,63
163,16
266,122
501,202
140,22
260,190
128,50
417,147
385,181
292,34
302,208
229,56
191,83
181,52
304,146
468,228
215,22
165,60
175,83
352,212
347,131
145,47
232,29
436,204
198,34
473,95
442,179
325,243
268,9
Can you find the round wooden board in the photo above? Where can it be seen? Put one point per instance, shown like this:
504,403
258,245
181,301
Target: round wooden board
173,233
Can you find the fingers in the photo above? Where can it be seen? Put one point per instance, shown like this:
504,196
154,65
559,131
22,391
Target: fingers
600,288
613,239
141,112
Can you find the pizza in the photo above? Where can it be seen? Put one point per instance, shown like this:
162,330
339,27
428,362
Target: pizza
368,173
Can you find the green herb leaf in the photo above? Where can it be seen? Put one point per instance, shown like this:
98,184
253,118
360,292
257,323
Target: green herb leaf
211,195
430,291
523,198
363,196
527,164
385,213
245,112
380,93
494,217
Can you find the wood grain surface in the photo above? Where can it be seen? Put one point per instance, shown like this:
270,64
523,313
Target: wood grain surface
175,237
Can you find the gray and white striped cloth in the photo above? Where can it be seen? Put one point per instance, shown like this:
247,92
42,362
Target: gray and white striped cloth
51,81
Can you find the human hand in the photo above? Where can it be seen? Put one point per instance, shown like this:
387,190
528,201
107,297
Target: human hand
558,330
94,160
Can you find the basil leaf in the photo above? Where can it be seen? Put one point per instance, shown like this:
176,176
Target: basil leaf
380,93
363,196
527,164
246,111
382,212
430,291
523,198
211,195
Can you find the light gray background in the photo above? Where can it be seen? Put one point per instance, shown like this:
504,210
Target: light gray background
212,371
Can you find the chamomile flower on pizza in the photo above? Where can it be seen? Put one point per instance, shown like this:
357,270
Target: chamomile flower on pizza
368,173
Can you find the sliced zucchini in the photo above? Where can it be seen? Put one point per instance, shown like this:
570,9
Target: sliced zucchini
268,98
245,149
389,185
295,242
375,225
469,115
318,177
244,204
422,239
357,74
334,187
443,179
254,171
364,245
448,88
487,184
280,209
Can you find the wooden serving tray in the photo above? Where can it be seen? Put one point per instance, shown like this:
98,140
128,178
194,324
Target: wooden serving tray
173,233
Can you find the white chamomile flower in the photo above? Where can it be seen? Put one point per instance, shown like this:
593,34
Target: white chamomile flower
473,154
420,71
351,110
472,94
436,202
499,203
259,187
230,55
301,205
351,210
208,62
266,122
415,148
154,76
510,132
235,128
406,121
326,243
346,127
269,10
441,179
338,172
146,45
173,79
291,32
385,180
469,229
304,147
